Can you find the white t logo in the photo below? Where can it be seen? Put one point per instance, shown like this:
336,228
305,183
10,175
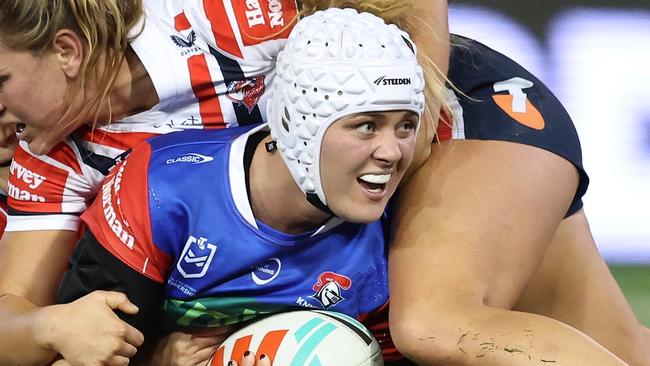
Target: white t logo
515,87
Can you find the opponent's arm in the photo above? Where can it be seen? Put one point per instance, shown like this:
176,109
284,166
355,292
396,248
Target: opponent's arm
24,259
31,333
471,229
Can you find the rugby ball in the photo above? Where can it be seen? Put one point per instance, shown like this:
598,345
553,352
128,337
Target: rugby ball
302,338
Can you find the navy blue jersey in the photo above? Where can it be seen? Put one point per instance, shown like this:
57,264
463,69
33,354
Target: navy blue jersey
186,224
494,98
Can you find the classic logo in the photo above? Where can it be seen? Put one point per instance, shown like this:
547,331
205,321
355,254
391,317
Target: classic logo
516,104
191,158
247,92
329,286
267,272
383,80
196,257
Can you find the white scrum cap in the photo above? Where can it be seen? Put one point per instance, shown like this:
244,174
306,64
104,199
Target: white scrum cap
336,63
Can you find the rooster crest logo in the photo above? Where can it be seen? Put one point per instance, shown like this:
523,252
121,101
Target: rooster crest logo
247,92
184,43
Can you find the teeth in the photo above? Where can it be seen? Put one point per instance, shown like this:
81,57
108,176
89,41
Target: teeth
375,178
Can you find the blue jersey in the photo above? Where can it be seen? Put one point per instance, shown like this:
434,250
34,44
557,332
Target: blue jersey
177,211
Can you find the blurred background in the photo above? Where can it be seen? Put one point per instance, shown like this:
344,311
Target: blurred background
595,56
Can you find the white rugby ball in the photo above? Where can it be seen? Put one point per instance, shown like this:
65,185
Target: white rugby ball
303,338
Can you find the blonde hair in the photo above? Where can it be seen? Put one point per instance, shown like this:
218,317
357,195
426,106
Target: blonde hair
402,14
102,25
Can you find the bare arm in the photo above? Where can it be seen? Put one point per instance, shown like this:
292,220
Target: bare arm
31,264
31,332
470,234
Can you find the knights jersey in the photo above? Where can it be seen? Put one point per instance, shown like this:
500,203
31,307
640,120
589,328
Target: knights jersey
494,98
176,211
210,63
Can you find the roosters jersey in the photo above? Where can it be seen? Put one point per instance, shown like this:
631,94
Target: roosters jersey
496,99
176,211
3,213
210,63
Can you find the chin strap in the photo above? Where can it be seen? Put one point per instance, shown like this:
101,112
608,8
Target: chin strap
314,200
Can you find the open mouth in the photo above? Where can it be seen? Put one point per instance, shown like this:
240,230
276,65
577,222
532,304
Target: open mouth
374,183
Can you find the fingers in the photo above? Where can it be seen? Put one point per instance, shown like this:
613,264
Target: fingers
249,359
119,301
202,356
264,361
133,336
60,362
117,361
127,350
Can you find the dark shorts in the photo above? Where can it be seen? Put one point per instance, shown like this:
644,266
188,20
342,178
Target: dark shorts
494,98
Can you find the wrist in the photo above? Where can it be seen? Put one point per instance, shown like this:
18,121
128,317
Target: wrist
44,327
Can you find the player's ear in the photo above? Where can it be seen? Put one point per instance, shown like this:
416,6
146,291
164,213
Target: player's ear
69,50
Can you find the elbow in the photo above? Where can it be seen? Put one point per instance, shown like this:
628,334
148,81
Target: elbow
426,342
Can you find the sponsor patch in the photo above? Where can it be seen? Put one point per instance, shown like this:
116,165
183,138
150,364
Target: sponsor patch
263,20
383,80
267,272
516,103
36,186
191,158
116,223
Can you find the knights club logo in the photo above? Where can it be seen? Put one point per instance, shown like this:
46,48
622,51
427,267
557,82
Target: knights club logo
247,92
329,287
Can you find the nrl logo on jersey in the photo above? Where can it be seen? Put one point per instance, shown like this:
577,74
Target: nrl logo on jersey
186,44
329,288
247,92
196,257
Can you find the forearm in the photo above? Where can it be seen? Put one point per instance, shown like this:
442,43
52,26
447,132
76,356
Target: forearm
485,336
24,335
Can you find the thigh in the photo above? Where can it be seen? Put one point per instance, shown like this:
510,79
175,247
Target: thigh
574,285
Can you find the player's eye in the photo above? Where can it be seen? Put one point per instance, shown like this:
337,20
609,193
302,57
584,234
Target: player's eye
366,127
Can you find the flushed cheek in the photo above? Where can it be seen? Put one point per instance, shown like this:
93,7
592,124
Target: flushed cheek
407,148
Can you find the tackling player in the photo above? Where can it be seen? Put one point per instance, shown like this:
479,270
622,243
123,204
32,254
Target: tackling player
214,228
